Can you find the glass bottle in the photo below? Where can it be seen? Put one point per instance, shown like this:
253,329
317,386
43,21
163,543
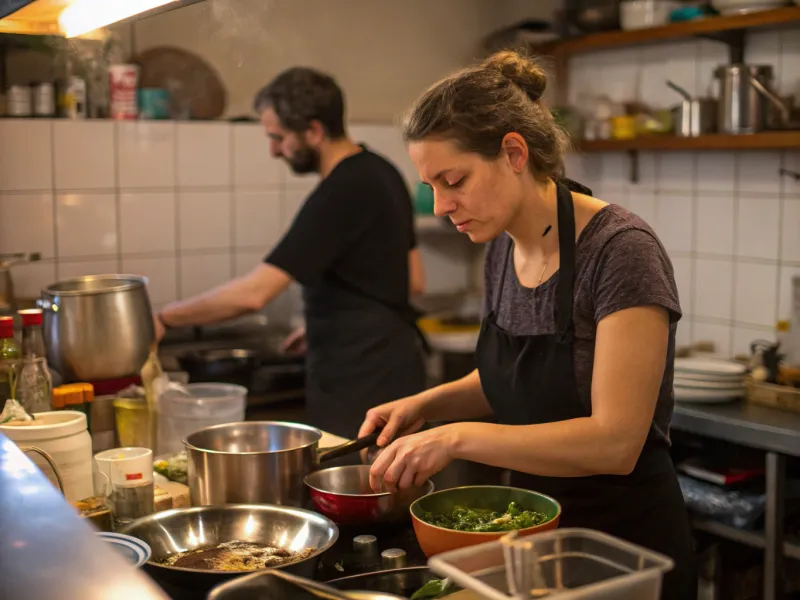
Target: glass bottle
10,354
34,385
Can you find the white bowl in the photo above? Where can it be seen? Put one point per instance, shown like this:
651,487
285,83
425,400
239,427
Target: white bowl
641,14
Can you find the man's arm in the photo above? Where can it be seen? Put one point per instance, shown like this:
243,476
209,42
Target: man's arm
416,273
242,295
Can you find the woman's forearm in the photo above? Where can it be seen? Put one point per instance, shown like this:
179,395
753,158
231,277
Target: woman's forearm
458,400
572,448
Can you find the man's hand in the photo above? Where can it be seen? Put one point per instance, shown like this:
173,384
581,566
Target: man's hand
158,326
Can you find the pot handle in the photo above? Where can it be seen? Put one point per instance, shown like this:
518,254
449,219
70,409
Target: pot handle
49,460
773,99
350,447
46,305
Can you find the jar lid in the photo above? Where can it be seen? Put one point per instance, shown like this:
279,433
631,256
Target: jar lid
31,317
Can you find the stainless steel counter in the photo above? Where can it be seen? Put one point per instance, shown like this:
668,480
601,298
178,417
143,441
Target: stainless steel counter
47,551
741,423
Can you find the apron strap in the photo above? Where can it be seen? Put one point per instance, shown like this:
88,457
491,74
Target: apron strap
566,257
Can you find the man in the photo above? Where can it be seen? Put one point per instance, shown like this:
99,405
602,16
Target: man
351,246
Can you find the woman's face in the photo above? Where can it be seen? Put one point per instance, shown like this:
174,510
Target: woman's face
480,196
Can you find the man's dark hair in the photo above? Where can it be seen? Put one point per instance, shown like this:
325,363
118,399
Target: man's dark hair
300,95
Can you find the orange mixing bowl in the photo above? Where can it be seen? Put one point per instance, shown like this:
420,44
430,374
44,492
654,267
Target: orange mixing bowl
435,540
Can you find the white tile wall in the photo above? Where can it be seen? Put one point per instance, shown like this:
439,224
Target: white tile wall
729,221
189,205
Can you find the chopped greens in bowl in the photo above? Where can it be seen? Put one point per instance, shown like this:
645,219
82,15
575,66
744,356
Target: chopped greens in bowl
483,520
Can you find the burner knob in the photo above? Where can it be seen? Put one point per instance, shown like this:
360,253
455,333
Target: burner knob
394,558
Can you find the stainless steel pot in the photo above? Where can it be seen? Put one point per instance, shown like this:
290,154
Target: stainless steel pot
98,327
180,529
744,96
257,462
693,116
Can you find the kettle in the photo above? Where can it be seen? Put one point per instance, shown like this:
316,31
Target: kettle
7,299
744,98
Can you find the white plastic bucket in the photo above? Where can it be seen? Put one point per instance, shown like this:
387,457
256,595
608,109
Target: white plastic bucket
208,404
63,435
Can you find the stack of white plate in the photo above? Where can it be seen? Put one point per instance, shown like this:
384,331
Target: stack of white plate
708,380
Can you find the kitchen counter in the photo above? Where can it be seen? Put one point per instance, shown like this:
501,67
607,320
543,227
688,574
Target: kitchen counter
741,423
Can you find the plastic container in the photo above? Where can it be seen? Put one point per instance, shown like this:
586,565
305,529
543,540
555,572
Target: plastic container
64,436
209,404
576,564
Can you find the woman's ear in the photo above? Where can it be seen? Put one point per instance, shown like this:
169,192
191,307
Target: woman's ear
516,149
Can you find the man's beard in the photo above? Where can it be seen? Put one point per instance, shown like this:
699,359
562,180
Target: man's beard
304,160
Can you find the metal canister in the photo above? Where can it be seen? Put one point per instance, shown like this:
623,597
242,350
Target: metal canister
19,101
44,99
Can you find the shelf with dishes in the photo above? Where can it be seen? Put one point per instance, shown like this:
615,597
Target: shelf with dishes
718,27
767,140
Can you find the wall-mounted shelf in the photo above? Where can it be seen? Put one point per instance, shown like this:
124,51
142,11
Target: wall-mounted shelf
712,27
769,140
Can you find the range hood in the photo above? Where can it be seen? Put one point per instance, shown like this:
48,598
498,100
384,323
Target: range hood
72,18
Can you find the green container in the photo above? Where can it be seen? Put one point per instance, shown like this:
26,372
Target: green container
423,199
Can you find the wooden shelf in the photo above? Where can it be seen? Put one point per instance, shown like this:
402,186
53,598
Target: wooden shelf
701,27
770,140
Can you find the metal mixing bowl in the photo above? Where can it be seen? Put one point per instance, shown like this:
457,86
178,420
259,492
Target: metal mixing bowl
182,529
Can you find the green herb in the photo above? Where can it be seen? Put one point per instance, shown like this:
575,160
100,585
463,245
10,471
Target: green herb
485,520
433,589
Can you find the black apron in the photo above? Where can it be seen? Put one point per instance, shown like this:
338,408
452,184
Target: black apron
531,380
362,352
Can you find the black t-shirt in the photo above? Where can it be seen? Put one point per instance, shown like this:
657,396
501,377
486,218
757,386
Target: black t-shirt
350,240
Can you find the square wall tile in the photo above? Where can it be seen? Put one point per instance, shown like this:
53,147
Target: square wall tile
643,204
758,172
387,140
258,219
620,197
147,222
713,289
204,154
786,307
146,154
252,163
674,222
247,261
200,273
648,162
616,171
84,154
161,273
716,172
756,294
82,268
26,224
653,73
720,335
683,333
715,224
788,77
681,66
743,336
676,172
30,279
683,280
26,148
205,220
757,227
790,186
86,225
790,236
762,47
306,182
712,55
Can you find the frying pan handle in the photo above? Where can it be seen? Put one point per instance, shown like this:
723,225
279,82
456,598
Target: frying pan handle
350,447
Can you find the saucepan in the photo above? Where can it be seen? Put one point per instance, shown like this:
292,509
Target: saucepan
344,495
174,531
258,462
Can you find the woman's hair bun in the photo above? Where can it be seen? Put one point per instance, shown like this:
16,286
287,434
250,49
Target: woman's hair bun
522,71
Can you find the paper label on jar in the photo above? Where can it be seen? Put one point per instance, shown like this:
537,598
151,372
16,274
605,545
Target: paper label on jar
123,80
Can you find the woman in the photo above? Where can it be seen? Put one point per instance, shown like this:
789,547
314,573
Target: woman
575,352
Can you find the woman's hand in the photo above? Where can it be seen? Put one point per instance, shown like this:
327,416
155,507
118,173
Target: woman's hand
412,460
401,417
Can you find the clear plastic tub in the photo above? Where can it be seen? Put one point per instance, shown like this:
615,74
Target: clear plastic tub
575,564
208,404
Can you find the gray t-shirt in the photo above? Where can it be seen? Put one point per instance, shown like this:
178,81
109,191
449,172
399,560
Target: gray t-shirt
620,263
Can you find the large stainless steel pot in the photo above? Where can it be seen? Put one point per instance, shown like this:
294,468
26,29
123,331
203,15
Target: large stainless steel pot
744,98
98,327
173,531
257,462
